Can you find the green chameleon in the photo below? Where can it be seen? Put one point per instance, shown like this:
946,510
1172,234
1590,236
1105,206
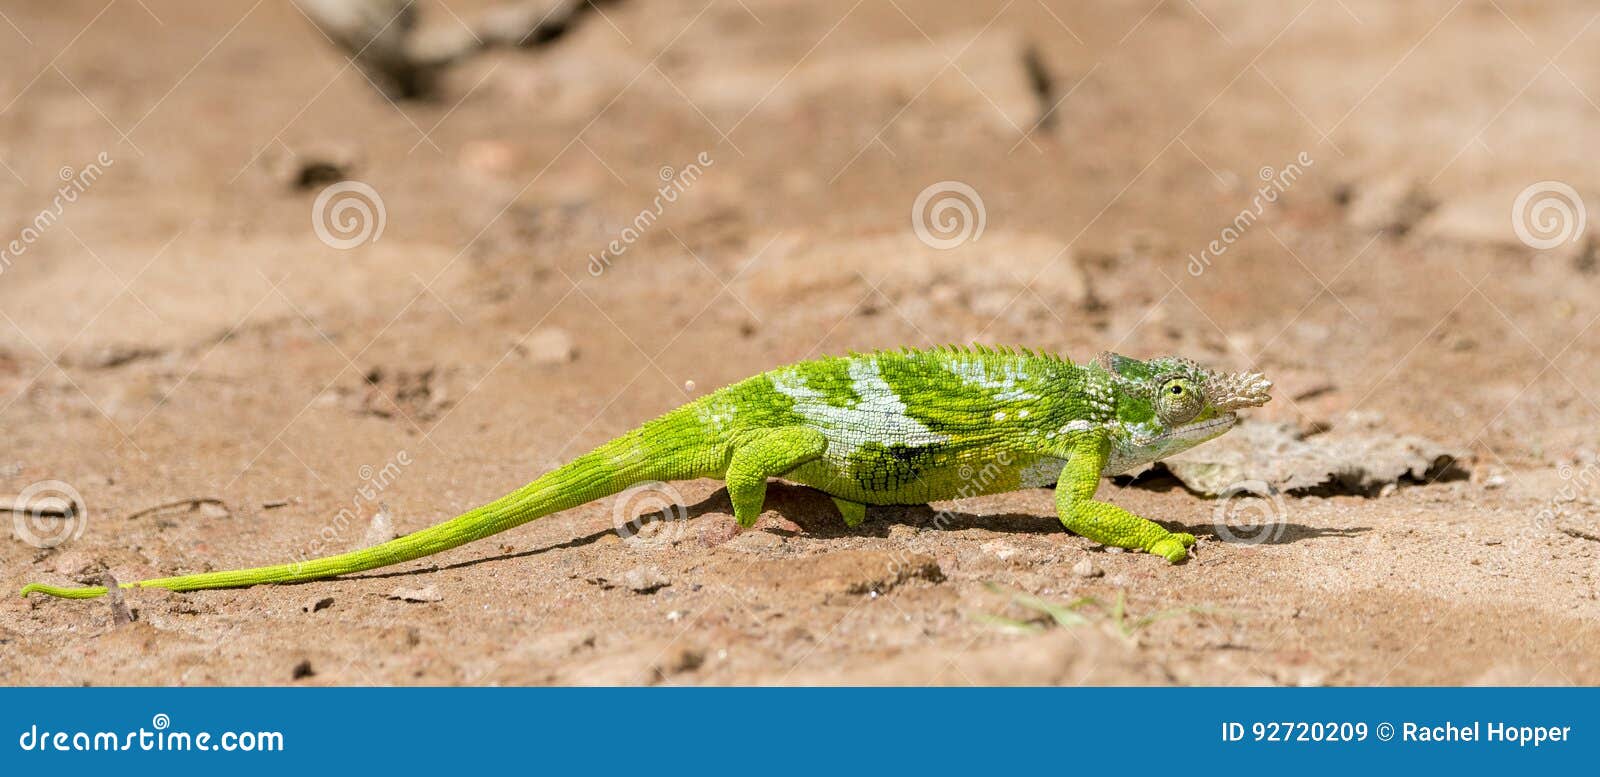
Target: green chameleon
891,427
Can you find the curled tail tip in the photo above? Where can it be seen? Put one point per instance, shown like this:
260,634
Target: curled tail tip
64,593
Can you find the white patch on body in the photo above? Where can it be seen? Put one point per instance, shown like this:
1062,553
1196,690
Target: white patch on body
880,414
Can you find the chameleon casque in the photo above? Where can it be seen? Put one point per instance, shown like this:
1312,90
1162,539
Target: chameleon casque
891,427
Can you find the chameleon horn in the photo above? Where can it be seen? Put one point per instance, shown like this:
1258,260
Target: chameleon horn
1236,390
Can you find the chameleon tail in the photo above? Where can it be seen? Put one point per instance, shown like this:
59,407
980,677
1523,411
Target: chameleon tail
668,448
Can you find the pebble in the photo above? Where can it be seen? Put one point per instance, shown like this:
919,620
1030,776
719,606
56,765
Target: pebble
550,346
1000,549
381,529
645,580
1087,568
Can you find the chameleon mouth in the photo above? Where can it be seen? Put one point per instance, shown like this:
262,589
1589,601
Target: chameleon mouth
1202,429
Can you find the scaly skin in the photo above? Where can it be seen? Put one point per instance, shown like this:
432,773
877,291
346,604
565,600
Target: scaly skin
893,427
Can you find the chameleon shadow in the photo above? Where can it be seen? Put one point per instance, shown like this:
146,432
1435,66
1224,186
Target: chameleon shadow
814,514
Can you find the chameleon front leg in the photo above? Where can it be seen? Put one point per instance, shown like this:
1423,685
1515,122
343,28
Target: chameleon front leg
1104,522
768,453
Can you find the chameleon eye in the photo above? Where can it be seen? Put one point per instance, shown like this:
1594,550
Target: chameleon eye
1177,403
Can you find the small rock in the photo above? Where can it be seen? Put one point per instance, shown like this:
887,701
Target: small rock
381,529
1087,568
1387,490
645,580
427,593
550,346
1494,481
120,615
999,549
316,168
318,604
302,670
902,533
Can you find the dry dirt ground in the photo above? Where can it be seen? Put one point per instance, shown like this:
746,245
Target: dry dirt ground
180,331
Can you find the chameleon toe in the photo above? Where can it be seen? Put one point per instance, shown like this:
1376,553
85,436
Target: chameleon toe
1172,547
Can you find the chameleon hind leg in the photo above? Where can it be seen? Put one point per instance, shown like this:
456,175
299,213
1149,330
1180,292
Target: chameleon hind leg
1104,522
854,512
769,453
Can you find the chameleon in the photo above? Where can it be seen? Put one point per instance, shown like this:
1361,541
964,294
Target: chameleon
891,427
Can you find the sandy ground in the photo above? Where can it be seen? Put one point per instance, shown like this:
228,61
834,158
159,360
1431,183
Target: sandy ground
182,332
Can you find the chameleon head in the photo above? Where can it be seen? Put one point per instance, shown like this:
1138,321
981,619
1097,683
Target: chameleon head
1170,404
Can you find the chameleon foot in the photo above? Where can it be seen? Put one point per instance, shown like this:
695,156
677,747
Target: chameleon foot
1173,547
854,512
